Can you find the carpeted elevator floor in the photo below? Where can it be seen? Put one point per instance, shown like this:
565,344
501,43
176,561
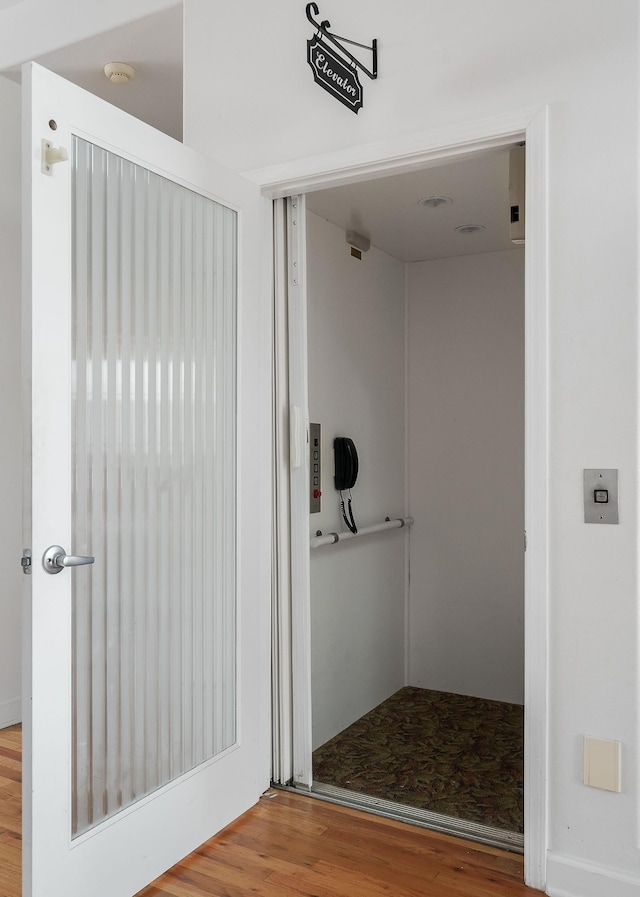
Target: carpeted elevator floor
451,754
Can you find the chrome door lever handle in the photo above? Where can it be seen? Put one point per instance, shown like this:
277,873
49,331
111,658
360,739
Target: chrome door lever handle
56,559
74,560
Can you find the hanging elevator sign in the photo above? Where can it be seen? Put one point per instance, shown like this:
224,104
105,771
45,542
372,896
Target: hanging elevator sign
337,72
330,72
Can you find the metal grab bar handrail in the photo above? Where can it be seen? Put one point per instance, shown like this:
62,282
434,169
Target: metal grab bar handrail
332,538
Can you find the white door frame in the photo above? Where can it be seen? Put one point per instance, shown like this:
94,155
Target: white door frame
427,150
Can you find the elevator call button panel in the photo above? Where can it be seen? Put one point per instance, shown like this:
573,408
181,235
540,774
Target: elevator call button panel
315,469
600,495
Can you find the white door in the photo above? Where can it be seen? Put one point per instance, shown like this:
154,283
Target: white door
147,330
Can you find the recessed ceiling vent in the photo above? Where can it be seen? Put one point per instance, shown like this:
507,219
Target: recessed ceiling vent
434,202
119,72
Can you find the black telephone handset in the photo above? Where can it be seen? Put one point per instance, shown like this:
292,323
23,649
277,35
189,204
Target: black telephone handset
346,462
346,474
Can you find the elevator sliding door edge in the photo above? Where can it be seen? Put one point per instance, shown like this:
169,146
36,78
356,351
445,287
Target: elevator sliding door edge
448,825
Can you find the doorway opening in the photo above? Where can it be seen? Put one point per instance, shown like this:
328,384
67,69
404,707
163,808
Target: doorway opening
297,700
416,351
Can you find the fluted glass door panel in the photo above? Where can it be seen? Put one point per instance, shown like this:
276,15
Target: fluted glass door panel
154,621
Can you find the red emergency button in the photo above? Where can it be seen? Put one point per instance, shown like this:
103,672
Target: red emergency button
317,493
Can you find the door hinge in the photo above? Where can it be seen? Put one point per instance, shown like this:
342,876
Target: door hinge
25,561
525,540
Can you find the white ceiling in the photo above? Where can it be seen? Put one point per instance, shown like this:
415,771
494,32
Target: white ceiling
388,210
153,46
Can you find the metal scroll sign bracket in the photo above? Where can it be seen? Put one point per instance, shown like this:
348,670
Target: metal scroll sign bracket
337,72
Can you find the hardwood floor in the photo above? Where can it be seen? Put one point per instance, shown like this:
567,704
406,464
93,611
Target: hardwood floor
294,846
10,811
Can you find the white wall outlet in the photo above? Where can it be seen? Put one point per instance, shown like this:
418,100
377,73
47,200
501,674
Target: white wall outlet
602,763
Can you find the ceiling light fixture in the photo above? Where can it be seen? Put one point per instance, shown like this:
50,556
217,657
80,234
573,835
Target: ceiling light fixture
468,229
119,72
434,202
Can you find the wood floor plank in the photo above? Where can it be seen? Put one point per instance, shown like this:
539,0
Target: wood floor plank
413,856
11,857
278,847
8,822
235,856
332,880
8,881
9,753
463,884
189,879
11,735
9,799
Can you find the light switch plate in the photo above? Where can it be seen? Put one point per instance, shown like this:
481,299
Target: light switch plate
602,763
596,480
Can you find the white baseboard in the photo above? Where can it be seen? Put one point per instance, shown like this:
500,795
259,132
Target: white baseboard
572,877
10,712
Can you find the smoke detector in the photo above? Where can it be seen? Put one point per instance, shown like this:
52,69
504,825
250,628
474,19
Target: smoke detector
468,229
119,72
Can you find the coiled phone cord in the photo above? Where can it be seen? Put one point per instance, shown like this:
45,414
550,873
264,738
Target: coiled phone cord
349,521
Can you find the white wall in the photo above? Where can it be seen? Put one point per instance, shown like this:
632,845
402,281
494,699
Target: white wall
251,101
356,389
10,407
466,474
